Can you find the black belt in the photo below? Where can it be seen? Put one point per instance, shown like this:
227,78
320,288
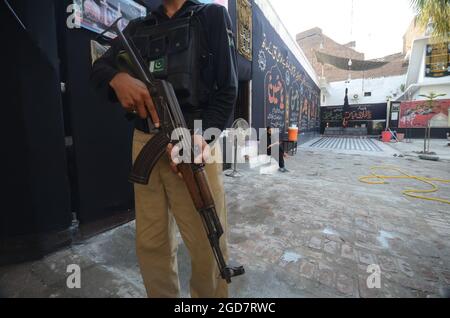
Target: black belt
141,125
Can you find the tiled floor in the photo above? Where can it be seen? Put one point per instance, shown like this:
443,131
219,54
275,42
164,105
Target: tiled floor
347,143
313,232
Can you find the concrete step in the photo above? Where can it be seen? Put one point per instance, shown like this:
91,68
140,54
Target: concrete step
262,163
258,161
269,169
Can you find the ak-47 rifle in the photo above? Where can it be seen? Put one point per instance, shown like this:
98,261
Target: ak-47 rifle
194,175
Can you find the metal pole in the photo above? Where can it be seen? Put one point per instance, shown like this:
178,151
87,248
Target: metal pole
408,122
235,155
234,173
425,141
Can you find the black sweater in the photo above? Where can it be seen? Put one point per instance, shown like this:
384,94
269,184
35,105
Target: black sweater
217,25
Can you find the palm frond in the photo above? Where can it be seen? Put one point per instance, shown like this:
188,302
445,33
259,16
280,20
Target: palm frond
438,11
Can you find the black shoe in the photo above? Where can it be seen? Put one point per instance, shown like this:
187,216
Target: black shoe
283,170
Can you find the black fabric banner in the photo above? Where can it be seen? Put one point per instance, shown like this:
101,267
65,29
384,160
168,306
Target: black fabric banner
354,113
34,169
101,135
284,95
437,61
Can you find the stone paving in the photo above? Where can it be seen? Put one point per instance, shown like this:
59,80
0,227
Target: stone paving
415,146
312,232
336,226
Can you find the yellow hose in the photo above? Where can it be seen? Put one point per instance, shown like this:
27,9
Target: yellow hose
410,193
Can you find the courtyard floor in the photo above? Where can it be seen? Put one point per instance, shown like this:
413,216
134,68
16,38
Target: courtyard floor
311,232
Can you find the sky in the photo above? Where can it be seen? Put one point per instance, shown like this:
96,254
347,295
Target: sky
378,25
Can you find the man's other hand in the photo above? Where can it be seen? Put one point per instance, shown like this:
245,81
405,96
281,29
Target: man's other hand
134,96
201,153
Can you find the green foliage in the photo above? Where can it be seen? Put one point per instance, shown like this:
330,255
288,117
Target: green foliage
439,13
432,97
403,88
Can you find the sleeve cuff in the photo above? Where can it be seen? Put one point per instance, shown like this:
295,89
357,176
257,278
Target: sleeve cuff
110,92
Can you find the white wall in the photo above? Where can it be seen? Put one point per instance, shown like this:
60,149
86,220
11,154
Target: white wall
379,87
438,89
416,69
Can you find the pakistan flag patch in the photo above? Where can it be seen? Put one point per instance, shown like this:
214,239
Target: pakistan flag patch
158,66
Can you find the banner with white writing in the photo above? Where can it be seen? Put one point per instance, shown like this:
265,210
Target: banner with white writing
284,95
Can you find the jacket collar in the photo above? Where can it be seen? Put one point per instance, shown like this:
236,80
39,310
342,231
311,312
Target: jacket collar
161,12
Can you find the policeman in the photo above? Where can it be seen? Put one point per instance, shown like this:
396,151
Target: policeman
192,46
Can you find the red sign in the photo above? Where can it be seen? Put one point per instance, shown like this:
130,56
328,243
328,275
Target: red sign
417,114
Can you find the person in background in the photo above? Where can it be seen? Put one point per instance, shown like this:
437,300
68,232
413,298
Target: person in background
281,154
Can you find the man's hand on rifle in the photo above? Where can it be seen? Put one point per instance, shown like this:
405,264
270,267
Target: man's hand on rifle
202,153
134,96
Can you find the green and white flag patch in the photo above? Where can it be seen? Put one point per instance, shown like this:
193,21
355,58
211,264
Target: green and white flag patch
157,66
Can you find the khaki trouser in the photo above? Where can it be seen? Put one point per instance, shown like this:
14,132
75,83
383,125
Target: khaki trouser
161,203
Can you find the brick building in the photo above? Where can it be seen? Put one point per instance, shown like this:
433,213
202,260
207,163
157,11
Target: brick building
413,32
368,91
314,40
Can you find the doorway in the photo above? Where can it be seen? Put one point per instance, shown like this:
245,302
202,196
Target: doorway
243,102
